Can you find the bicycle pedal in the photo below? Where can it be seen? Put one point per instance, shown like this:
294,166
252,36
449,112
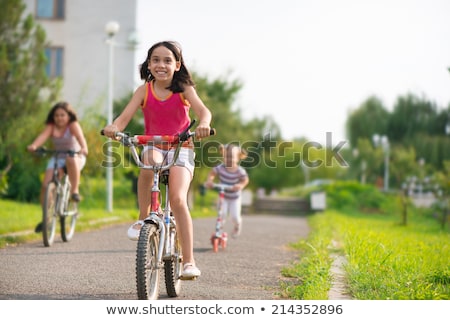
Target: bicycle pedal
190,278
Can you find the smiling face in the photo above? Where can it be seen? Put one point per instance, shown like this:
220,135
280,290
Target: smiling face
162,64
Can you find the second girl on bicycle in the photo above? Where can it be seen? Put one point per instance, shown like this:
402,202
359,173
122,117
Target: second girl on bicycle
65,132
165,99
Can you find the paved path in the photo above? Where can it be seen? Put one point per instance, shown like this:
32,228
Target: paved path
100,264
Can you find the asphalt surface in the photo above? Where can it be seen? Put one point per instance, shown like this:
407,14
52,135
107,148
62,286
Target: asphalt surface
99,265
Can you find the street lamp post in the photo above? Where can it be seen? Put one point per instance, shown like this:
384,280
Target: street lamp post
363,165
111,28
383,141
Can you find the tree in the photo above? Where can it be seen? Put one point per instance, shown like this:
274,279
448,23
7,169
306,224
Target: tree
416,122
23,82
371,117
412,116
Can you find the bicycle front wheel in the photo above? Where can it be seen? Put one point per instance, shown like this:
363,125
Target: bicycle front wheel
68,221
147,266
49,214
172,266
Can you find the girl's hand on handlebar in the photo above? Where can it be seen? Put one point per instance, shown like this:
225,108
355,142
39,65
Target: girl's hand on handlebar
31,148
236,187
110,131
83,151
209,184
203,130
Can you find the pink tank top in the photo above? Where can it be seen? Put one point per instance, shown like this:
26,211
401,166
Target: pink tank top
165,117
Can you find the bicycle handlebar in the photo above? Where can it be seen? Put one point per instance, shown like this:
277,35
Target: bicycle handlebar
133,141
221,187
43,151
170,139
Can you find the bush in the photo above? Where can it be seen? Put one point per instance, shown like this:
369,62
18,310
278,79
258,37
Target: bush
345,194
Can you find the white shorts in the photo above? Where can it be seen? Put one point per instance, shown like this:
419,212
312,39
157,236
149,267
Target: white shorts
185,157
61,162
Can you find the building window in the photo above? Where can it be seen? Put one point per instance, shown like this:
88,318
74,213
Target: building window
50,9
55,60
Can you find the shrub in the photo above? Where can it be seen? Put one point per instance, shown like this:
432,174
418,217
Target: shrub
345,194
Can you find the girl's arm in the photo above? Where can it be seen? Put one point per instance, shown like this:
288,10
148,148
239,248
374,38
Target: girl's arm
201,111
76,131
242,184
41,138
210,179
121,122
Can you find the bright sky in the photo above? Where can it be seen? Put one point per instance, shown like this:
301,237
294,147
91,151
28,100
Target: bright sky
308,63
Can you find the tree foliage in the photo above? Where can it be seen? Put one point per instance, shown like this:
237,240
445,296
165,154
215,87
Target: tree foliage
24,88
371,117
416,129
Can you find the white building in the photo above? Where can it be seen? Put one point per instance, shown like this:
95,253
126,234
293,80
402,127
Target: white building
79,52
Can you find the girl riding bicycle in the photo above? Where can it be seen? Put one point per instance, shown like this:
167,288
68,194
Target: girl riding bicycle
231,173
65,132
165,99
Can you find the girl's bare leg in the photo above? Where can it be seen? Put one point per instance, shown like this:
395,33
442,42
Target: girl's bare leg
181,178
73,170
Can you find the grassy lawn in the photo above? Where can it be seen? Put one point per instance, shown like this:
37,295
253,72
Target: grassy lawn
385,260
18,220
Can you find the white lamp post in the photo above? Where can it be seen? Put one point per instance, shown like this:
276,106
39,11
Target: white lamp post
363,165
383,141
111,28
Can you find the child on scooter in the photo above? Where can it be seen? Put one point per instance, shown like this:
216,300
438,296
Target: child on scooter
230,172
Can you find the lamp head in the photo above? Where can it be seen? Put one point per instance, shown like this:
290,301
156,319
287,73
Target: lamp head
111,28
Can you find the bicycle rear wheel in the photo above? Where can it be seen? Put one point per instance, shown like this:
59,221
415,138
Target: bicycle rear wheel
172,266
147,268
68,221
49,214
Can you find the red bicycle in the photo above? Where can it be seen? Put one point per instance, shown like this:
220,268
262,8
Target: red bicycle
158,248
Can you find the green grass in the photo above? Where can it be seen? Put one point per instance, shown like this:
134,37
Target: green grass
18,220
309,277
391,261
385,260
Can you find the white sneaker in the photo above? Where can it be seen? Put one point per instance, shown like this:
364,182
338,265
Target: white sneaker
133,233
190,272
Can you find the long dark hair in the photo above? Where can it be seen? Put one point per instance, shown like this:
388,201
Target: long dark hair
61,105
181,78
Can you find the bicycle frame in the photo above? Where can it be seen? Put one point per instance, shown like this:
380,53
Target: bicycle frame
62,196
164,223
61,181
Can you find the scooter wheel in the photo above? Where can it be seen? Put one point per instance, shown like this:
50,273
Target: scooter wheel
216,244
224,243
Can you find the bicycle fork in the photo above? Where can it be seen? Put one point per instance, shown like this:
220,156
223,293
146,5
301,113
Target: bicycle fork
165,223
61,197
